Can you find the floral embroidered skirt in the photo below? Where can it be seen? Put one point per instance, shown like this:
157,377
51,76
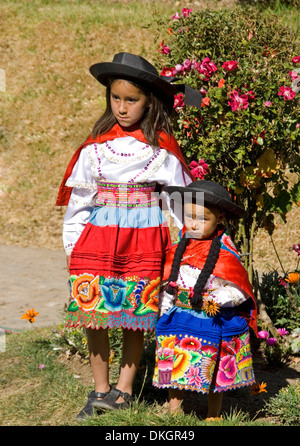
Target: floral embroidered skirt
201,353
116,266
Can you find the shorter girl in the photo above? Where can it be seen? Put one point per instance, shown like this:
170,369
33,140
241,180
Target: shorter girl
206,303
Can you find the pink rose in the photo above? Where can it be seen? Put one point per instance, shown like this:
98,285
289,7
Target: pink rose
238,102
175,16
178,101
187,65
295,247
267,104
163,48
200,169
178,68
206,68
166,71
296,59
287,93
230,65
250,94
293,75
186,12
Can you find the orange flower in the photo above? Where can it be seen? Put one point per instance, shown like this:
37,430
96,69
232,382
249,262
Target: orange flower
221,83
210,307
181,362
169,342
85,290
257,388
205,101
30,315
150,294
293,278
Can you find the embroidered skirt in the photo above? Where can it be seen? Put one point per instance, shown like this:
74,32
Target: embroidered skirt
116,265
201,353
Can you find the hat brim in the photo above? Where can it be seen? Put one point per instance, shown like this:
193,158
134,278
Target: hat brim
231,209
106,70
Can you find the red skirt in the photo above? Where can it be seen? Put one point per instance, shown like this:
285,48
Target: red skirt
116,269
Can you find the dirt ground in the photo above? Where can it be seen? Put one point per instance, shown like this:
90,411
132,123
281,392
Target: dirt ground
32,278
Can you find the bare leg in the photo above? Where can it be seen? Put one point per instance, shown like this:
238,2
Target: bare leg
133,343
214,404
98,344
175,400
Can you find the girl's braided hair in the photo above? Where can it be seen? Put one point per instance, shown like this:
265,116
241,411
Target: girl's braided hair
207,270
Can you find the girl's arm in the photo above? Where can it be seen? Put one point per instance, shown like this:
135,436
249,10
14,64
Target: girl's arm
227,294
76,217
84,189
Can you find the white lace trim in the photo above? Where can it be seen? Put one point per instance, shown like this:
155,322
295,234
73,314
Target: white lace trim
81,184
153,166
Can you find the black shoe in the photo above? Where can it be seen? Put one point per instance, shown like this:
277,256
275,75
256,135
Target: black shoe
88,409
109,402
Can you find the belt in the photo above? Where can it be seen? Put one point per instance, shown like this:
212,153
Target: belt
125,195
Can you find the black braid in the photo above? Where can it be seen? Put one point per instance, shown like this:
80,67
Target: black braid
176,262
206,271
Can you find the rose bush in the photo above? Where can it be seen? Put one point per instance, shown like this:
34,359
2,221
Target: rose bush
246,65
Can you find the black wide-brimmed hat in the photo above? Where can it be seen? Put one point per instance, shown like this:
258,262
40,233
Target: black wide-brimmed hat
213,194
137,69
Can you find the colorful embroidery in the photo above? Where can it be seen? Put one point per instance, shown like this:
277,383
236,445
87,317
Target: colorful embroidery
100,302
85,291
113,295
191,363
149,297
125,195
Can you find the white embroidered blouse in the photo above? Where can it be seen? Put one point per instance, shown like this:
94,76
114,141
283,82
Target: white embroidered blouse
123,160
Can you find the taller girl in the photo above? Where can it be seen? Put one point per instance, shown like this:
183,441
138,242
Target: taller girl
114,231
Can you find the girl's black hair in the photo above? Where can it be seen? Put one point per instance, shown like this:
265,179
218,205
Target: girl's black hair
156,118
207,270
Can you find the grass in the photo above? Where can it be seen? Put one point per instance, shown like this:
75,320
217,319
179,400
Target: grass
45,392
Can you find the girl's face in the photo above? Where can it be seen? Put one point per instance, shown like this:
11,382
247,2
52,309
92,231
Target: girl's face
128,103
200,221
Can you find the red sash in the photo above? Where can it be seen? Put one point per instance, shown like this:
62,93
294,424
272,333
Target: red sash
166,142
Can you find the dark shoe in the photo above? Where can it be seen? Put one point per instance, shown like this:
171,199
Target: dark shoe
88,409
109,402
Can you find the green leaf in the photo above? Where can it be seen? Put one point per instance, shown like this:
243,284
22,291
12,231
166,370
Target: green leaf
73,306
